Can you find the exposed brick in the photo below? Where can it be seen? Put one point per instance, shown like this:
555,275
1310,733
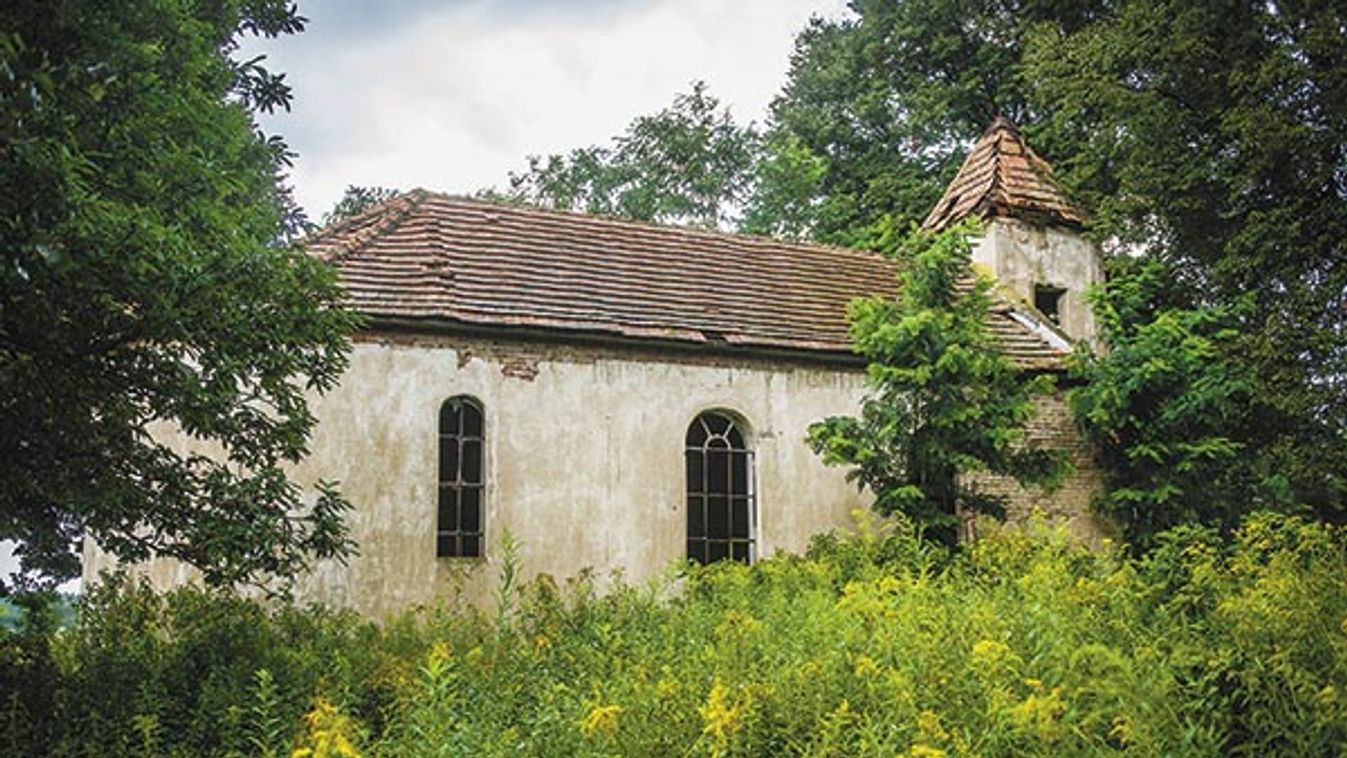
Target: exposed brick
1053,427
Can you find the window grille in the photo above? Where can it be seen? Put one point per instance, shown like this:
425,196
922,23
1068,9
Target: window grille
720,499
459,525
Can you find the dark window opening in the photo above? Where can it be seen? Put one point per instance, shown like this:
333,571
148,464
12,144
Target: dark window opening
458,532
1048,301
720,505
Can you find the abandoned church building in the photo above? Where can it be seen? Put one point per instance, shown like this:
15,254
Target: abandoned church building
621,395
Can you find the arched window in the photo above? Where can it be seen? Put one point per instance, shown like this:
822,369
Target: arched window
458,532
721,511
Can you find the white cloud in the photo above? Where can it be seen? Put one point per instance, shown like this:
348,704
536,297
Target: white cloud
454,97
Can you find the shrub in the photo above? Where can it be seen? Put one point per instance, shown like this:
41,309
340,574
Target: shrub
873,644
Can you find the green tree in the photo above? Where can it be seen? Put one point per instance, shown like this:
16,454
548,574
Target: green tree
1166,410
689,164
1214,137
1210,137
944,403
356,199
880,107
144,284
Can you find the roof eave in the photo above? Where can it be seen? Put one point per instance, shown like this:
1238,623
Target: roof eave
812,356
394,325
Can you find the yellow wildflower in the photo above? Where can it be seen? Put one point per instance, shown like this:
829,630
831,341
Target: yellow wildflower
437,661
991,652
439,653
666,687
721,718
991,659
736,624
1122,730
866,666
1041,714
601,720
327,733
928,724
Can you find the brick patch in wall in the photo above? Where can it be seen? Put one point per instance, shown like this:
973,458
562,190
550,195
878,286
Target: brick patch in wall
1052,427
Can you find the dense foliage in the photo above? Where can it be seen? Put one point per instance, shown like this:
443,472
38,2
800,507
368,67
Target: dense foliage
881,105
688,164
142,281
944,404
1214,136
1165,410
1209,138
875,645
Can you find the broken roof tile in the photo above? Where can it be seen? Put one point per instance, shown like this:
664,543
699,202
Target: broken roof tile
1003,176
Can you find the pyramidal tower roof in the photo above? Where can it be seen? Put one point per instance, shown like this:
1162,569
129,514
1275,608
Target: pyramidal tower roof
1003,177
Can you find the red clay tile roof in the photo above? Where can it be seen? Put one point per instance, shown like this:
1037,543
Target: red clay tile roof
1003,176
446,261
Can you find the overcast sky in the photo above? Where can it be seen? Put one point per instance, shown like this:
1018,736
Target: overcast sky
452,95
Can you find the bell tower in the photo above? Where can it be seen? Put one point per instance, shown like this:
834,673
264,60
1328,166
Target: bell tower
1032,242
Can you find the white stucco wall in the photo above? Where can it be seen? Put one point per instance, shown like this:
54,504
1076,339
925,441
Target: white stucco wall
1023,255
584,461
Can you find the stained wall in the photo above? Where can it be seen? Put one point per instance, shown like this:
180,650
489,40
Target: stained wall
584,461
1022,254
1066,502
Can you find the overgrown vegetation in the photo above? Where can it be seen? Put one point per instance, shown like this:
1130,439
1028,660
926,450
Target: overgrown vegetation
943,402
880,644
1167,410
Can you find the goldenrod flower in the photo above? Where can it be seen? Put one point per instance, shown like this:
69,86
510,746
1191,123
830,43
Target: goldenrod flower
601,720
721,718
328,733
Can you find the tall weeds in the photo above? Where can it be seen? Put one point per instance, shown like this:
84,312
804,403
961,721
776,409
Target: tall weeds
875,644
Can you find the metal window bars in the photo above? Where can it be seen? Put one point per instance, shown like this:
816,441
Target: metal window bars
721,512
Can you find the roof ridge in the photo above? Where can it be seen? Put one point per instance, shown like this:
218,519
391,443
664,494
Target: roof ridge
764,240
331,230
989,196
442,261
1002,175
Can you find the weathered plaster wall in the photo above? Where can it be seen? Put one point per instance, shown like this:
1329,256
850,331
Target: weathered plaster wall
584,460
1022,255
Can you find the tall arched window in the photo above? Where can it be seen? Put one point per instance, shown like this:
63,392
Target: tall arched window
721,511
458,531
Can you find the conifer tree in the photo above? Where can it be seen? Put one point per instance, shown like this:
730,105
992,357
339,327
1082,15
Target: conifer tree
944,405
